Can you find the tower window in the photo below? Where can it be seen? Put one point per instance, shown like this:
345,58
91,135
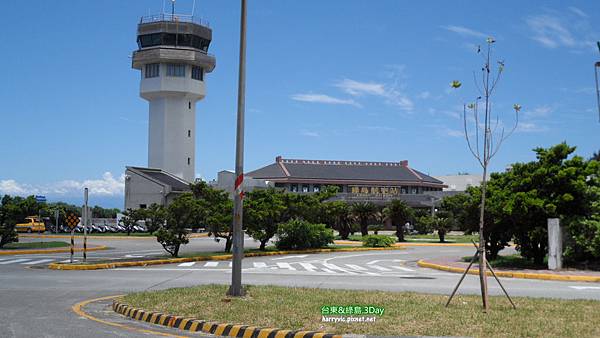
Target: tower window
189,161
197,73
189,104
152,70
189,133
176,69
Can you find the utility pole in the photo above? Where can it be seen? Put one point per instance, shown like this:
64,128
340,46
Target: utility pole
85,223
56,214
238,235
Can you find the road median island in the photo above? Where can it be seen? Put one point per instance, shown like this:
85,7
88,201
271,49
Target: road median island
402,244
215,257
450,265
49,251
301,312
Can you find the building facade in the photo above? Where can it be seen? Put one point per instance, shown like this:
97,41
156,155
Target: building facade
357,181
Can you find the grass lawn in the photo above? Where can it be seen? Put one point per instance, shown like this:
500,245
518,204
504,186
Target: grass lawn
428,238
35,245
405,313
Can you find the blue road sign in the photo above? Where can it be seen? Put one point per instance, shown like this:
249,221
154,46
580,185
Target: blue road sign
40,198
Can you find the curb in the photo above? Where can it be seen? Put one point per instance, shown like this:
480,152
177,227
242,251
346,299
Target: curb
46,251
61,266
218,329
202,235
401,244
525,275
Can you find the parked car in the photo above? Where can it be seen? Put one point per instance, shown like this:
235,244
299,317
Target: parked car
31,224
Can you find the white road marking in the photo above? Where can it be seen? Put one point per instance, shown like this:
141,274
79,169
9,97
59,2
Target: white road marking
259,264
230,264
380,268
402,268
187,264
38,261
68,261
15,261
288,257
211,264
308,267
335,267
327,270
384,260
134,256
356,267
286,266
584,287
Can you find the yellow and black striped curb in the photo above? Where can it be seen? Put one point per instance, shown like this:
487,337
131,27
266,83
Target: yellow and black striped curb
48,251
218,329
512,274
112,265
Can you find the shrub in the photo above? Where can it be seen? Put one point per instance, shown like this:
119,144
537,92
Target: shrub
377,241
299,234
375,228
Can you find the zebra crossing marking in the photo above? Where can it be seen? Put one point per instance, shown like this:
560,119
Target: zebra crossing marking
40,261
286,266
211,264
259,264
403,268
308,267
356,267
380,268
187,264
15,261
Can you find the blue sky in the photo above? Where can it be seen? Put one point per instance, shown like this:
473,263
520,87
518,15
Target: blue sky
349,80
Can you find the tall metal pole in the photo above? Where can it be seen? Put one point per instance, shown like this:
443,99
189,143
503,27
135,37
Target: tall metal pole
56,215
85,223
238,236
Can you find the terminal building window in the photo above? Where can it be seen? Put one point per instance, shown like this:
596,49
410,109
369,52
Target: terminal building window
197,73
293,187
305,188
316,188
152,70
175,69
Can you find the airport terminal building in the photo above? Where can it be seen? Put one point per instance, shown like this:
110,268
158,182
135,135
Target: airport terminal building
358,181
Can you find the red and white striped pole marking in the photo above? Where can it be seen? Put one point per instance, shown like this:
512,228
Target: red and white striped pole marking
238,186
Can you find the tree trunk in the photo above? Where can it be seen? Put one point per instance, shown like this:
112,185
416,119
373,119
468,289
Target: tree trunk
263,244
400,232
364,230
228,244
344,232
176,251
442,235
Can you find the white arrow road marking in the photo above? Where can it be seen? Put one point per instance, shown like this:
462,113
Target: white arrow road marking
327,270
134,256
187,264
211,264
286,266
287,257
15,261
584,287
259,264
385,260
309,267
380,268
356,267
38,261
402,268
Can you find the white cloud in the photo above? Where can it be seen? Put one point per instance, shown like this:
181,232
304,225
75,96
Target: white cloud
530,127
464,31
424,95
108,185
454,133
322,98
540,111
309,133
391,95
568,29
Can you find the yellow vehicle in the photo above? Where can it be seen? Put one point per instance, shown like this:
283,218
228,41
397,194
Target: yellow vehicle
31,224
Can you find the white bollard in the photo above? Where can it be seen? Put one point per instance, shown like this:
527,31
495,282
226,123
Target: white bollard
554,244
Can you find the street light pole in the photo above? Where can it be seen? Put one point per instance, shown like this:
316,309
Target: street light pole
238,235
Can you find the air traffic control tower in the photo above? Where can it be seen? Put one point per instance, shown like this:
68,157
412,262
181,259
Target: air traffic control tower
173,60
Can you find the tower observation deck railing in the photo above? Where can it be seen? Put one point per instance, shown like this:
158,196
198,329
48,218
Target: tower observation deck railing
174,18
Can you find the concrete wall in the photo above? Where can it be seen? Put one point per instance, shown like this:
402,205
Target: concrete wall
139,190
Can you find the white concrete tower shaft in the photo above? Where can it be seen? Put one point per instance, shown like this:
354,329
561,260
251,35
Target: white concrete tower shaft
173,59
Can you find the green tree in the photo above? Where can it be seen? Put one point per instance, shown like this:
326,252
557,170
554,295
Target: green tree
182,215
215,211
7,221
364,213
154,217
398,213
131,217
337,215
263,210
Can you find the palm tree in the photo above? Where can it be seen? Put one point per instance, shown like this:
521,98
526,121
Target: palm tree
364,212
399,213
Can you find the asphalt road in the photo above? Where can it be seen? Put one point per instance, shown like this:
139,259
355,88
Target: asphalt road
36,302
